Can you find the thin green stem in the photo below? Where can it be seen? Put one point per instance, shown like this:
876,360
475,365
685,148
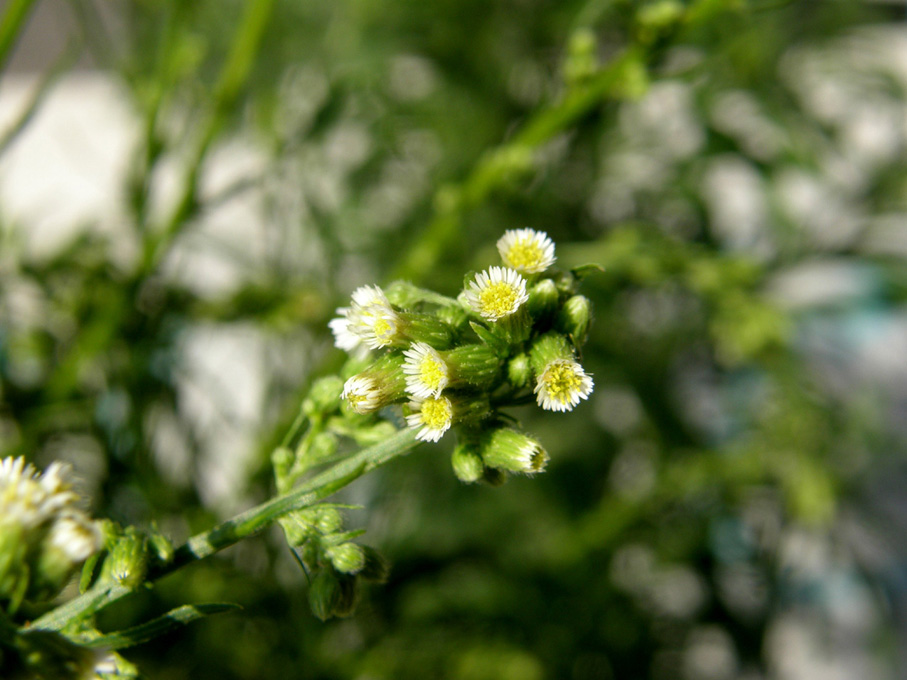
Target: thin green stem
11,26
242,526
232,77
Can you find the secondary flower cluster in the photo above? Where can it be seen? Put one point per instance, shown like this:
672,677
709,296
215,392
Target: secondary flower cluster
44,535
513,331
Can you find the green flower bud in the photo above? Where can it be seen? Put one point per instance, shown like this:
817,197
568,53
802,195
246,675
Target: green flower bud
550,347
453,315
574,317
379,385
324,445
423,328
347,558
161,546
323,397
324,594
467,462
542,303
332,594
507,449
474,364
282,460
326,519
127,559
519,370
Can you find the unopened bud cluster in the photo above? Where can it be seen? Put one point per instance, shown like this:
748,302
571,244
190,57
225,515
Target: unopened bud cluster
512,333
44,535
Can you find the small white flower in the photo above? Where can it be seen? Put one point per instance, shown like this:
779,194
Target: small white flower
562,385
363,393
31,499
526,250
372,318
432,418
426,373
496,293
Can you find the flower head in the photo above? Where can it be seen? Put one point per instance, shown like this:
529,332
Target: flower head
372,318
561,385
526,250
507,449
432,418
496,293
44,535
426,372
363,393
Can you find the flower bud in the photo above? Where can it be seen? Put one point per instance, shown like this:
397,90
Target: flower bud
127,560
324,594
347,558
467,462
573,318
379,385
519,370
542,303
507,449
548,348
324,396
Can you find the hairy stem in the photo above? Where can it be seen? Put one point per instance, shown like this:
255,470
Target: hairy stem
241,526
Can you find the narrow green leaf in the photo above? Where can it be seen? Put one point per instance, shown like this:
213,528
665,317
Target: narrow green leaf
155,628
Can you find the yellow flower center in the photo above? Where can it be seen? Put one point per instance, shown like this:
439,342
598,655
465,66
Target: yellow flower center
432,373
525,254
436,413
355,398
561,381
498,299
384,330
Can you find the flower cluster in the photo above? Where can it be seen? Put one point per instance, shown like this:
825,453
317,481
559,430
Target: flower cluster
44,535
510,335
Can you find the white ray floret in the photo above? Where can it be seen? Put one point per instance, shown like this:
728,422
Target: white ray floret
363,393
496,293
426,372
562,385
526,250
432,418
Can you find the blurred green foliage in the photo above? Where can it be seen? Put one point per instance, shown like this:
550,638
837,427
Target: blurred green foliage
732,167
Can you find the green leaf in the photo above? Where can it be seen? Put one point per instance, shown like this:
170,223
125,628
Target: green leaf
583,270
498,345
172,620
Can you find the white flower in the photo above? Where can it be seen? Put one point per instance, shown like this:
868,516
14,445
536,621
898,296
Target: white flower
562,385
30,499
496,293
372,318
526,250
426,373
52,535
363,393
432,418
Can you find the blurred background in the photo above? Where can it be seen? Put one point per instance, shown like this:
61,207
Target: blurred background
189,188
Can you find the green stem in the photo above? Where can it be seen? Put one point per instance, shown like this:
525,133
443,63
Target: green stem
242,526
11,25
229,85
